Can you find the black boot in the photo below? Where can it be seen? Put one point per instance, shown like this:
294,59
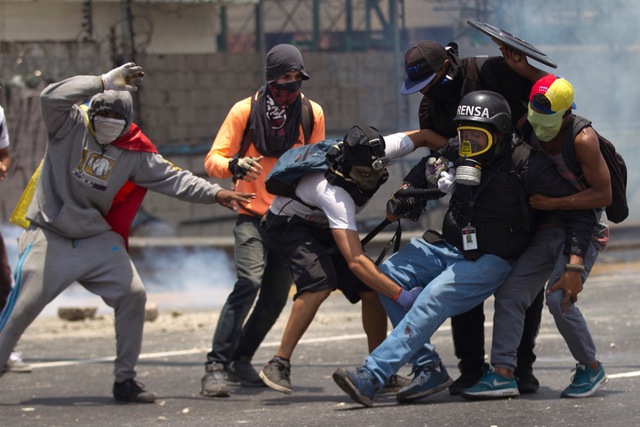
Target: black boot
469,376
527,382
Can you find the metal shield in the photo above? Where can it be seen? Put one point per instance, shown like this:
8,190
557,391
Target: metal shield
513,42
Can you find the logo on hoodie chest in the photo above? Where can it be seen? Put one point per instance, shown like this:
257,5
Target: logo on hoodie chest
95,169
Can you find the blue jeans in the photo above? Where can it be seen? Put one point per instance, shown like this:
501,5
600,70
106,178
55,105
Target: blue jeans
452,285
258,270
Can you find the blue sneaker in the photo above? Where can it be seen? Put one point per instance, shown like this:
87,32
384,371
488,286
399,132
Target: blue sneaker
359,385
427,380
492,385
585,381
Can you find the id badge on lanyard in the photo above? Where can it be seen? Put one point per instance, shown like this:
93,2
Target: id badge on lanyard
469,238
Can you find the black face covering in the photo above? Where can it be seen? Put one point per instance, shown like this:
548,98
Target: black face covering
284,94
444,89
270,141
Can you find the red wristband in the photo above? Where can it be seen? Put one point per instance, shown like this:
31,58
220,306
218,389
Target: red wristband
398,295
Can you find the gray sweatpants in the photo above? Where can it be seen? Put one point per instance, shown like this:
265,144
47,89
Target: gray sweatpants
49,264
542,262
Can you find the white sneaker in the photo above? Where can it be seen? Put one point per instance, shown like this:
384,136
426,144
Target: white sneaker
16,364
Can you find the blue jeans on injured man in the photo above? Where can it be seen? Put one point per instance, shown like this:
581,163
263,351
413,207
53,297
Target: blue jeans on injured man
452,285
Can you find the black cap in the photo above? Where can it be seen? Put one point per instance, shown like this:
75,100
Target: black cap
421,62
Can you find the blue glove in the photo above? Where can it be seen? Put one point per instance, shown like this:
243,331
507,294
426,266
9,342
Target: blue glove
406,298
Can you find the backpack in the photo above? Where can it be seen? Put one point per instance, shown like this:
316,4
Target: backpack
618,210
307,125
300,161
296,163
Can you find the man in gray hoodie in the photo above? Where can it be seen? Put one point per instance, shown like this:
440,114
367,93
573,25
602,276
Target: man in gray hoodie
96,170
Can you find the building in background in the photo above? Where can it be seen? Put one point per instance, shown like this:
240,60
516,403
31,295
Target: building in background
199,54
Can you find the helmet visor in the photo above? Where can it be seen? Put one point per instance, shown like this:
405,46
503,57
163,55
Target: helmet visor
474,141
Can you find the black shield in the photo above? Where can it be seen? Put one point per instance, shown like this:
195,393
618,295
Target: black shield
513,42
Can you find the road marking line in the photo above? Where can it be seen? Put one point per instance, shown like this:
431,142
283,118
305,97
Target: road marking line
174,353
161,354
625,375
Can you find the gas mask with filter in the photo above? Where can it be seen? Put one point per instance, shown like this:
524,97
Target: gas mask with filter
482,117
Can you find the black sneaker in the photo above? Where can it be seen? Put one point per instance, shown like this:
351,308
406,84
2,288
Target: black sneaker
214,383
468,378
276,375
132,391
243,373
527,382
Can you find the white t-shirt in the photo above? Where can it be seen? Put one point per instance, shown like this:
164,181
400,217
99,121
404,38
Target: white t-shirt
4,134
335,206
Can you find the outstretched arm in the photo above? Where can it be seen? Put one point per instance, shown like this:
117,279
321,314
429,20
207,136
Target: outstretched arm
230,199
427,138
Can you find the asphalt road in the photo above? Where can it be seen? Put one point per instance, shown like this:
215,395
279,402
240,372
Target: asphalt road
72,377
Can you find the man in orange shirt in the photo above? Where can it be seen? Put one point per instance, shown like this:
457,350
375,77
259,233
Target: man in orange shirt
256,132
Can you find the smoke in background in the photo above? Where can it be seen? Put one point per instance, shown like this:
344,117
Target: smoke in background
174,277
597,48
594,43
602,68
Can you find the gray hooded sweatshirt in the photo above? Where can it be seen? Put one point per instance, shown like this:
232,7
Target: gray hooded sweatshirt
80,177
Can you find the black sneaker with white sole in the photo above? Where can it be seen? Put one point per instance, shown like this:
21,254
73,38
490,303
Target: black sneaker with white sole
276,375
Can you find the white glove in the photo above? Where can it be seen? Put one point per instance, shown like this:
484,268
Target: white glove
126,77
446,183
247,162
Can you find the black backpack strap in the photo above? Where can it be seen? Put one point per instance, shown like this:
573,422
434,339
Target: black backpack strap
568,149
373,233
307,119
394,241
246,137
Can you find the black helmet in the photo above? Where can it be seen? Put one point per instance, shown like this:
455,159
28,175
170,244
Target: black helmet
363,145
484,106
358,163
